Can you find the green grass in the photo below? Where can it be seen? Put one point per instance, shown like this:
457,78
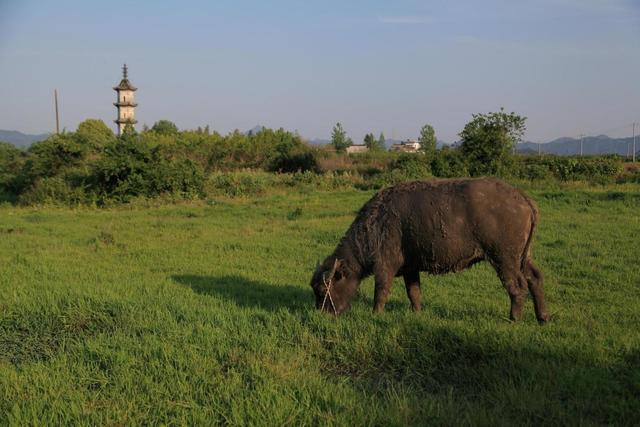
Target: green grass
201,314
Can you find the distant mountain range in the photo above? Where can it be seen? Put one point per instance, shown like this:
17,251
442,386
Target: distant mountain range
601,144
20,139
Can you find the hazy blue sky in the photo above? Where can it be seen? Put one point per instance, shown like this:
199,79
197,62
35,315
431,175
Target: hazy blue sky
570,66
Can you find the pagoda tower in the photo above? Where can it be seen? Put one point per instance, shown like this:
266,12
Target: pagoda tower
126,104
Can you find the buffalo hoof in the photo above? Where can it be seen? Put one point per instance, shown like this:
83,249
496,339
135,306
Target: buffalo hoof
544,319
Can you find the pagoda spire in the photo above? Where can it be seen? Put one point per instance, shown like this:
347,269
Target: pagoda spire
124,71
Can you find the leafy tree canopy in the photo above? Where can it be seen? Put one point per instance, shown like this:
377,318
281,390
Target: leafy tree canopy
94,132
372,143
164,127
427,140
11,160
488,140
339,138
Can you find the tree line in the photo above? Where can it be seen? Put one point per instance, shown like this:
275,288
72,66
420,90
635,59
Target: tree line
92,165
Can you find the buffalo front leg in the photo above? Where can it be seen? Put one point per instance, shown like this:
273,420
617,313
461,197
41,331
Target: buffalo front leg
412,283
383,281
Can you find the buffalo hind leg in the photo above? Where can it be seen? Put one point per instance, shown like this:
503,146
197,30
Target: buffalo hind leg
383,282
536,288
516,285
412,283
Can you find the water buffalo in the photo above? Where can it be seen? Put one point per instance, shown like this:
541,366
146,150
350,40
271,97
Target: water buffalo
436,227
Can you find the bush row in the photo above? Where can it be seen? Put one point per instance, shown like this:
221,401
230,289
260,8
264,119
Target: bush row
595,169
92,166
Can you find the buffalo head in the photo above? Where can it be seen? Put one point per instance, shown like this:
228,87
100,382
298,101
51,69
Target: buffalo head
333,286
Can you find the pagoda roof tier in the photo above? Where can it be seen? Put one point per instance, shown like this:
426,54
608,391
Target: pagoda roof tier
126,121
125,104
125,84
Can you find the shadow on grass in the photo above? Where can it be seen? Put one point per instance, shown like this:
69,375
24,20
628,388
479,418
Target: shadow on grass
249,293
495,379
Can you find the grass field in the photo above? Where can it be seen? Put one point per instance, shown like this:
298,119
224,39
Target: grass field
201,313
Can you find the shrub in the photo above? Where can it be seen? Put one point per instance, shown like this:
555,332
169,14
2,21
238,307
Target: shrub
124,170
131,168
237,184
534,172
632,174
598,169
331,162
51,157
181,177
411,166
449,163
592,169
11,163
334,181
294,162
304,178
54,190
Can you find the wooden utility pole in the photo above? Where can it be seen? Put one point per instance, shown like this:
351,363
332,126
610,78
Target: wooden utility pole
633,155
581,141
55,96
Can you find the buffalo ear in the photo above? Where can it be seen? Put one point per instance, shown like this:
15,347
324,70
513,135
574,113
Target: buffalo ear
317,266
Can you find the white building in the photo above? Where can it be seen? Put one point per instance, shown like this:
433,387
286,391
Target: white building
357,148
125,102
408,146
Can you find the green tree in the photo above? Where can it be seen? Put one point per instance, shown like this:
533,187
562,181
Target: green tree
488,140
164,127
11,161
427,140
94,133
129,133
370,141
339,138
50,156
382,141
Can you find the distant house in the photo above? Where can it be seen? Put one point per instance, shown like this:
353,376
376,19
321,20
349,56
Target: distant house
357,148
408,146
